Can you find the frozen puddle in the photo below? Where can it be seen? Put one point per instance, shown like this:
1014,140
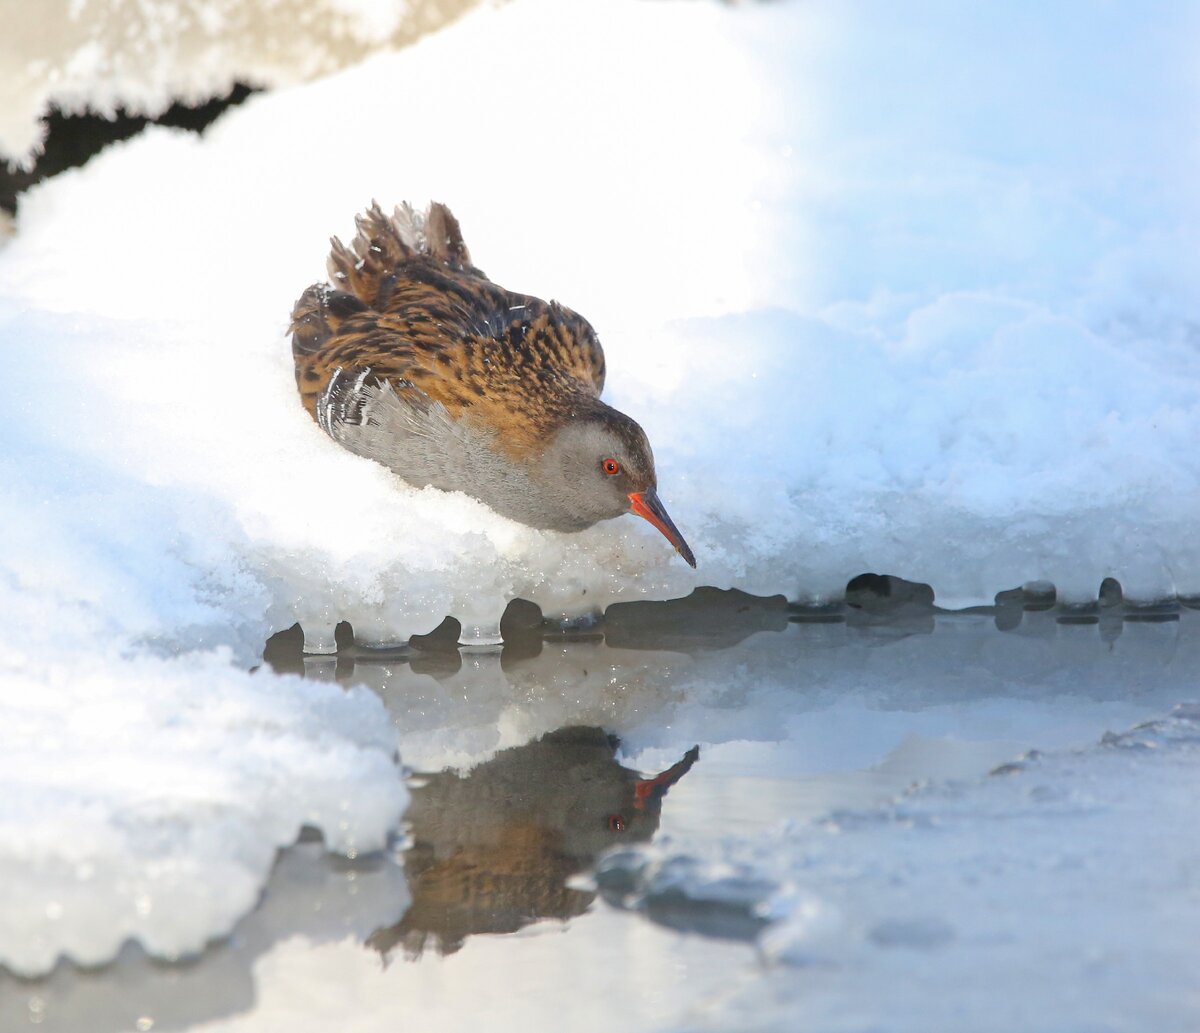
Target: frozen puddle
864,841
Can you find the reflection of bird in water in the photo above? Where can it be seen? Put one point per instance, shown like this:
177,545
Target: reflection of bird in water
492,849
416,359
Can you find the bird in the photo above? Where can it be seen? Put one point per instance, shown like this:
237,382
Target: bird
493,849
411,356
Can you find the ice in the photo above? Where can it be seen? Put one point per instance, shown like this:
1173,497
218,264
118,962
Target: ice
1063,873
146,799
831,725
309,902
904,291
875,741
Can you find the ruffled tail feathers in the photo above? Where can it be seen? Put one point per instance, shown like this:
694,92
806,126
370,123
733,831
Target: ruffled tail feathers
383,244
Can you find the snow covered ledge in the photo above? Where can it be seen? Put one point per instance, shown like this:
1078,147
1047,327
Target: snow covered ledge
146,800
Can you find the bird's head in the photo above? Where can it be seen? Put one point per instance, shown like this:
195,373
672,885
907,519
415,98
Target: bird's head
603,465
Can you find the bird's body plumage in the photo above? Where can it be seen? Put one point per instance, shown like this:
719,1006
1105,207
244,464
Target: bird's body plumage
413,357
416,313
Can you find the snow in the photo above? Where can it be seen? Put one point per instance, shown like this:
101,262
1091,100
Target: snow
146,799
1021,414
884,296
309,900
100,55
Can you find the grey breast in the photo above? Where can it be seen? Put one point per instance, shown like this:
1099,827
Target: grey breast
417,438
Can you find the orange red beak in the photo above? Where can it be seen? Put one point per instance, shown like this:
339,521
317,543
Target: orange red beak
647,788
648,505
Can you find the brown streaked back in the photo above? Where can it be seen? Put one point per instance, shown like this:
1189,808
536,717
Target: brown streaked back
409,307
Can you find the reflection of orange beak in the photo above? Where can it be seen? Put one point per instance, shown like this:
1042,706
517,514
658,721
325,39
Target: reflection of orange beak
648,788
648,505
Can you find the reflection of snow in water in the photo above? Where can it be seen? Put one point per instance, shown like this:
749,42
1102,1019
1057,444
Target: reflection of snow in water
1058,893
842,792
938,320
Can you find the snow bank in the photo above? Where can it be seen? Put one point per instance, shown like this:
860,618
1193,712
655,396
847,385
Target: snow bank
940,341
99,55
904,291
146,799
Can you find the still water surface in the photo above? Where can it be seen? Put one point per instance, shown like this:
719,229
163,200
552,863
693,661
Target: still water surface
718,718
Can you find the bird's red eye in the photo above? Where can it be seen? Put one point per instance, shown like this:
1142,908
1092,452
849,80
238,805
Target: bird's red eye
611,467
616,823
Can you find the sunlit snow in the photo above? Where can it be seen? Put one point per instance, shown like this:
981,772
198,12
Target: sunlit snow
145,800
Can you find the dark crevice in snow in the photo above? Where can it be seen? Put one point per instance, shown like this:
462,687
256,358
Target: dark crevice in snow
72,139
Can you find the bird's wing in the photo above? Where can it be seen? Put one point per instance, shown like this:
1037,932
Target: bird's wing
398,425
408,310
512,363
